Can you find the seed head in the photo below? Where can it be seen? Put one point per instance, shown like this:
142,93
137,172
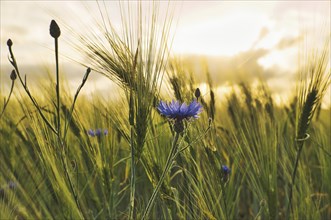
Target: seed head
54,29
13,75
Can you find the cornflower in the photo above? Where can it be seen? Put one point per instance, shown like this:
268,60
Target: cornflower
178,112
225,172
98,132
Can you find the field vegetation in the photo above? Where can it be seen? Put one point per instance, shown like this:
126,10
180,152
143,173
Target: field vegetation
70,156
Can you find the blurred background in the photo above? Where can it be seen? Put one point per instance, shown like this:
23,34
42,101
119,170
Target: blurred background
234,41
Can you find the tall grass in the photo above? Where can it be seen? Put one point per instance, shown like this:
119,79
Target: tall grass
315,79
52,167
135,61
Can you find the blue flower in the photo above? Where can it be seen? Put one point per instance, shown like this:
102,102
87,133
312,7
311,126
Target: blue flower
91,132
98,132
179,111
226,170
225,173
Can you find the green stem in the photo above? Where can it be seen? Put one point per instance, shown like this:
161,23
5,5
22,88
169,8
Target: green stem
170,159
133,174
57,90
224,200
7,101
72,188
289,207
60,144
25,86
133,166
66,126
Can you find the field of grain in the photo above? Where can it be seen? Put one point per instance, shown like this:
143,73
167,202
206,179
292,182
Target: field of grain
146,155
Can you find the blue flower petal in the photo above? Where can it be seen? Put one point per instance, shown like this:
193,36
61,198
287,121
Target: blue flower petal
91,133
179,111
98,132
226,170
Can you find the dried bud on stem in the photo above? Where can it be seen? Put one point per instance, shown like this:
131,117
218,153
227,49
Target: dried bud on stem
197,93
54,29
88,70
9,43
13,75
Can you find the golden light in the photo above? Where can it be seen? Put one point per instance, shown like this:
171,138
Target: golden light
225,34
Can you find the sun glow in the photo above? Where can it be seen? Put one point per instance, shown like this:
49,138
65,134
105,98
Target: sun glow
225,33
255,37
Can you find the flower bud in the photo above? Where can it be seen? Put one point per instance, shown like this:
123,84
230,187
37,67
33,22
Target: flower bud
13,75
54,29
88,70
9,43
12,184
73,164
197,93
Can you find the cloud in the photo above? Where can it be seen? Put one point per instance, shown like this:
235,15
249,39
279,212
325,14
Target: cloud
245,66
263,33
287,42
17,29
242,67
36,73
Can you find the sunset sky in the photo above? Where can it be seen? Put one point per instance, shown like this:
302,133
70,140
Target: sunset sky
264,35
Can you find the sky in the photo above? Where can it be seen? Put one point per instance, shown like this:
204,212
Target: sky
263,38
